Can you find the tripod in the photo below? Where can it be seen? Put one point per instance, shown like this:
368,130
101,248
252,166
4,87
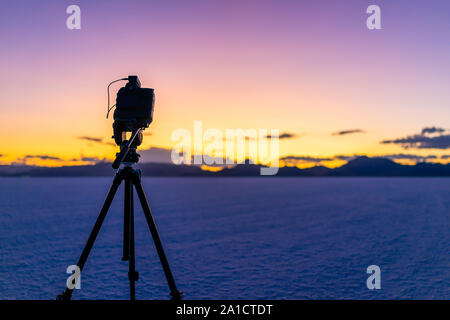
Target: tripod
132,177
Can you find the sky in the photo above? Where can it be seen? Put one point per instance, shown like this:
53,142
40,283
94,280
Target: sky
311,69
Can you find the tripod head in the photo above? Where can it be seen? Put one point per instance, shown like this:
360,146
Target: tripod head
128,152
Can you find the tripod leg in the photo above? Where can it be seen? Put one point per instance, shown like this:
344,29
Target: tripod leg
126,221
67,294
176,295
132,274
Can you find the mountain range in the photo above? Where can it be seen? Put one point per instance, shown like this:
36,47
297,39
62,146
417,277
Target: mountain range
362,166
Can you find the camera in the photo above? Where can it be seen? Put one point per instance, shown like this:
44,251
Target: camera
134,110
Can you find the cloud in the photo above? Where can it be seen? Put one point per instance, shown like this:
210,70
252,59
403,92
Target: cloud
420,141
1,155
445,156
308,159
294,160
163,155
344,132
284,135
92,159
346,157
96,140
92,139
423,140
213,161
414,157
429,130
399,156
155,154
41,157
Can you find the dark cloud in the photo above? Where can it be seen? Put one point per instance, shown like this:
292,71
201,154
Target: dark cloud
303,159
163,155
344,132
346,157
399,156
1,155
90,159
213,161
419,141
96,140
42,157
93,159
91,139
48,157
445,156
287,135
284,135
414,157
430,130
155,154
423,141
317,160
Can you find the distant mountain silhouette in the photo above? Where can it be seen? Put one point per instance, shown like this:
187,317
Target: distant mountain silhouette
105,169
364,166
376,167
359,167
14,169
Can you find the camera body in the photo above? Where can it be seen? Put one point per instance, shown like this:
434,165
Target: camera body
134,110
